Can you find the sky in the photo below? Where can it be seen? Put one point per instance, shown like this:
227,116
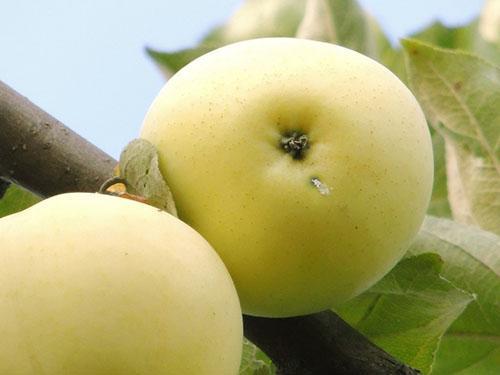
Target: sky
84,62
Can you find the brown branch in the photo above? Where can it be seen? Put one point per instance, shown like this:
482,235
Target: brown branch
44,156
4,185
319,344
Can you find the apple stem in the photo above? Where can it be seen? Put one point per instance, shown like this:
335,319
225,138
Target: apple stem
295,144
110,182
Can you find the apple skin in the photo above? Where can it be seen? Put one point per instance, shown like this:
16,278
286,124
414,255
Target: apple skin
297,235
94,284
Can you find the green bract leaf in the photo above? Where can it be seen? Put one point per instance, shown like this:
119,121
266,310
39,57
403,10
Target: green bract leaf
139,167
460,94
472,262
16,199
254,361
409,310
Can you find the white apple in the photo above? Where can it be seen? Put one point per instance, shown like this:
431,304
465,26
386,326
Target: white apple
93,284
306,165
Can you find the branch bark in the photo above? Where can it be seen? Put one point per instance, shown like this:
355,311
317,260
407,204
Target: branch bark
319,344
41,154
4,185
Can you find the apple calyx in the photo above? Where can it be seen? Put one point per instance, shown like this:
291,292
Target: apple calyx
295,143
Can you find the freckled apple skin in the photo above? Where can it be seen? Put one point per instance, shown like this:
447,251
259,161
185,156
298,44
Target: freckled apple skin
290,249
93,284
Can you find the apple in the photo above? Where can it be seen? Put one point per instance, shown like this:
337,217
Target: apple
94,284
307,166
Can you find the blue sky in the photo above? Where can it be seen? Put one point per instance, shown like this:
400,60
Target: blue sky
84,62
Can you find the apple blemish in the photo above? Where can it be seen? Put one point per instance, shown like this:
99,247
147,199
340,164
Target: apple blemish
323,188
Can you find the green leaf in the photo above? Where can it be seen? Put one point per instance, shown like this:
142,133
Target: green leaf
467,38
480,36
355,29
460,94
471,262
171,62
342,22
439,205
318,22
467,354
254,361
255,18
345,23
409,310
386,53
263,18
139,167
442,36
448,37
15,199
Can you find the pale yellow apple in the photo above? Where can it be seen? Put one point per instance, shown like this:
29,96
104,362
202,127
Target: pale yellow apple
306,165
94,284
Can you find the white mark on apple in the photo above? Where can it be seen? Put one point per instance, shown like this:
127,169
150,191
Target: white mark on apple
323,188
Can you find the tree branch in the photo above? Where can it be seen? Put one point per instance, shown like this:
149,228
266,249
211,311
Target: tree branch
4,185
319,344
44,156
